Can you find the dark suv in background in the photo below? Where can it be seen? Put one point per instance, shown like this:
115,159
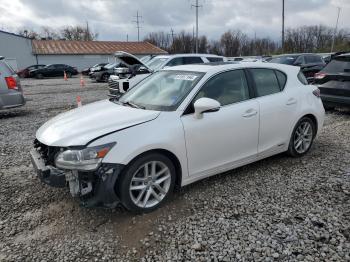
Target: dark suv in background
53,70
10,87
334,82
310,64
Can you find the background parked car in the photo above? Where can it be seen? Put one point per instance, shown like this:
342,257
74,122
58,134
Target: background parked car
137,70
53,70
25,72
334,82
96,67
103,74
309,64
10,87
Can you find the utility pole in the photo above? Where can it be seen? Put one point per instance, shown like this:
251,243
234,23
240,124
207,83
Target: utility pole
172,37
283,26
127,38
196,6
138,22
87,33
335,30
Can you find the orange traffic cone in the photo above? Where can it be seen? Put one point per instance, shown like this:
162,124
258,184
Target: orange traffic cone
82,81
65,76
79,101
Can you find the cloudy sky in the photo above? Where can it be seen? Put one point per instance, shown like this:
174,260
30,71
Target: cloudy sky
112,19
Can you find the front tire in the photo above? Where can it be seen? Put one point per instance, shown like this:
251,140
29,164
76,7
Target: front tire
302,137
146,183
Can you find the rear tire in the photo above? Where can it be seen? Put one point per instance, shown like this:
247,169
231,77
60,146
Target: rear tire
69,74
146,183
105,78
302,137
39,76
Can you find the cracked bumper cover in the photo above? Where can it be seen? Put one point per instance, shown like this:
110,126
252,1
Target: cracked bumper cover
103,181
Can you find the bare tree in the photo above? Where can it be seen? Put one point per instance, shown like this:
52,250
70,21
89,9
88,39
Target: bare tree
78,33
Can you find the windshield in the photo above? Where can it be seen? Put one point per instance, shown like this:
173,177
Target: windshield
156,63
163,90
287,60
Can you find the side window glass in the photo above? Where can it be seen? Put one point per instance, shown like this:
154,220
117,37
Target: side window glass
265,81
175,61
215,59
300,60
282,79
227,88
192,60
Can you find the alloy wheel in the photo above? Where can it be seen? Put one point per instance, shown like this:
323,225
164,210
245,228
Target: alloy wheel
303,137
150,184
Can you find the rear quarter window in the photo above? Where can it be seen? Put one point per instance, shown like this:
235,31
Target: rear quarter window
302,78
282,79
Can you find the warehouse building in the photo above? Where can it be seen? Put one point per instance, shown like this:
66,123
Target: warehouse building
22,52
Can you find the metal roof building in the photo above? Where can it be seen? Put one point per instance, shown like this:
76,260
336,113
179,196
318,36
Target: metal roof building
24,52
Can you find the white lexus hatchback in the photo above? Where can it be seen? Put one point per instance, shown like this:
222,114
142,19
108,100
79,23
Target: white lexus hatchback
177,126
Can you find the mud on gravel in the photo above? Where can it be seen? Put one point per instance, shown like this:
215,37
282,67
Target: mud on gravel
280,208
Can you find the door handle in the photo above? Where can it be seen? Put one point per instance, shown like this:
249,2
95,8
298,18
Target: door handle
291,101
250,112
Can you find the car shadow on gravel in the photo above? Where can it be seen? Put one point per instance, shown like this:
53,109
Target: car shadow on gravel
14,113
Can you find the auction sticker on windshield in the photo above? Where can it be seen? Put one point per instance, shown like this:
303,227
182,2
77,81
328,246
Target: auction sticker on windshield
185,77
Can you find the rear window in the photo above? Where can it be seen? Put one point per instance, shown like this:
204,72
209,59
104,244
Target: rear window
338,65
6,67
215,59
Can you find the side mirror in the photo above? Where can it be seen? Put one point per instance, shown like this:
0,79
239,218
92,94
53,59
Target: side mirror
205,105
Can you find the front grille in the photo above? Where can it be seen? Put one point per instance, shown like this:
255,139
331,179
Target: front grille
48,153
113,84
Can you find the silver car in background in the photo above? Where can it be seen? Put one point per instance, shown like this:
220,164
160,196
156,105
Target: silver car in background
11,94
137,69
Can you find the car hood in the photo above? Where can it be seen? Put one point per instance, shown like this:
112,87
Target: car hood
129,59
79,126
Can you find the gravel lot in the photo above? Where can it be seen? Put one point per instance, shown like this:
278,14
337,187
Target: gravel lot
277,209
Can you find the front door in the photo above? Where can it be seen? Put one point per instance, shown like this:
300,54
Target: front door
227,137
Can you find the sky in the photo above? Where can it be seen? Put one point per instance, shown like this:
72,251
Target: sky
113,19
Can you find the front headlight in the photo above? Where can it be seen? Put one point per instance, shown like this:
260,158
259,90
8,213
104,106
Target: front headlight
87,159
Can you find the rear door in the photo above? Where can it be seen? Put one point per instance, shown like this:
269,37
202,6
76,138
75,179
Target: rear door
277,106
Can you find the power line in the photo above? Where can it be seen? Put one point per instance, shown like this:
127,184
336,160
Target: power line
196,6
335,30
138,22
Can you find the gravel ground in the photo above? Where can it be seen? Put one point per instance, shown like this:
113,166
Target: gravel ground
279,208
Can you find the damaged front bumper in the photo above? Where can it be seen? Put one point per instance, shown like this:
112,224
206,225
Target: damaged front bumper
94,189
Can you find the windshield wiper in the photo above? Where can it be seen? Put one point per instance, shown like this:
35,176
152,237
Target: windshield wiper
128,103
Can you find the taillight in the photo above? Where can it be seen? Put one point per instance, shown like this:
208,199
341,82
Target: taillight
320,75
317,92
11,82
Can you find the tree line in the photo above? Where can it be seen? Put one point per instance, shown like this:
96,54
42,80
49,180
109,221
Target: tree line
317,38
80,33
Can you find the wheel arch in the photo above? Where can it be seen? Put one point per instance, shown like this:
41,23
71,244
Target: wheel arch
314,120
173,158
